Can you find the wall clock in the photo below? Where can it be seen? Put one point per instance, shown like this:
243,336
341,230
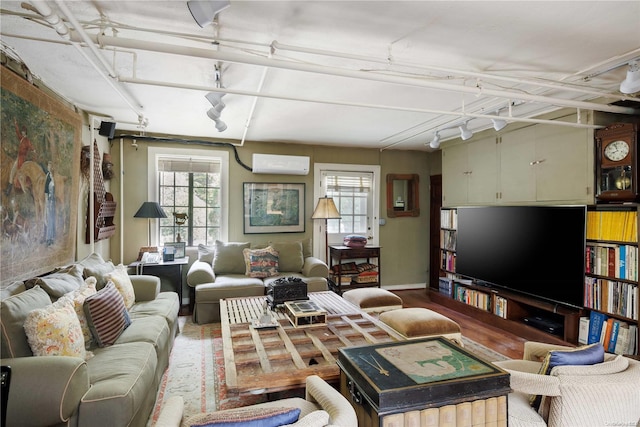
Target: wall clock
617,163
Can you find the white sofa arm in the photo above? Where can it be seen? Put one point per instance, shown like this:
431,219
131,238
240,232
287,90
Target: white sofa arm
524,378
200,272
340,411
314,267
145,286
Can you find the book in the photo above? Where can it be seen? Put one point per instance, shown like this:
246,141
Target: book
448,416
596,319
633,340
491,412
502,411
463,414
615,326
622,344
583,330
394,420
606,333
430,417
477,413
412,419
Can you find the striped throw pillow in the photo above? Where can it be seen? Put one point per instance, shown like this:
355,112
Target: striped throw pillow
106,314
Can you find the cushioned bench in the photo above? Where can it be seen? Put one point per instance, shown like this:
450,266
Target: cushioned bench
421,322
373,300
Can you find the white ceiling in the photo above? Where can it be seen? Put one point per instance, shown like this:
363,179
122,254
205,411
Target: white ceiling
375,73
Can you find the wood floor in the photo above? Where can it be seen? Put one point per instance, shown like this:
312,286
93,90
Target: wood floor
496,339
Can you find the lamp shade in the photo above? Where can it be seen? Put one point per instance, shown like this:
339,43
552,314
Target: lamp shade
631,84
326,209
150,210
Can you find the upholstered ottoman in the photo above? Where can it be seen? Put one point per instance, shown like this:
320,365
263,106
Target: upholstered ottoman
373,300
420,322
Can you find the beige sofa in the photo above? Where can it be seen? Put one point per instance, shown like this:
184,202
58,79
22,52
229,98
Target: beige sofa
115,387
220,272
323,405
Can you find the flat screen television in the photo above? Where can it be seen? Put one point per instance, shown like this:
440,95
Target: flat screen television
534,250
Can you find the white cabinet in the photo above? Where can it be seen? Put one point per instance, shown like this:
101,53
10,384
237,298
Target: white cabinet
546,164
538,164
470,173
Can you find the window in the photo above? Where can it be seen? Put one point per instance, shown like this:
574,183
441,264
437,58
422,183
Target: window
192,191
354,189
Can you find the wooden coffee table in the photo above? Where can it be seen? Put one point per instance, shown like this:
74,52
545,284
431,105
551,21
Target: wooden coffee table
281,358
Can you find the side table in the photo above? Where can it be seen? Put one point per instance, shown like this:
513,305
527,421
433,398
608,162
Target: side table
172,270
344,279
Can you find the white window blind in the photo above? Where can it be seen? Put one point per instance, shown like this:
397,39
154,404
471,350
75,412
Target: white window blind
188,165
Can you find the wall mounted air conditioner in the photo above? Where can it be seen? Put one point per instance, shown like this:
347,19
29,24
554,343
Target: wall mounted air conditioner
283,165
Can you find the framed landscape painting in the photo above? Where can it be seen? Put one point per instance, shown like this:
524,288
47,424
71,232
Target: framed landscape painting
273,208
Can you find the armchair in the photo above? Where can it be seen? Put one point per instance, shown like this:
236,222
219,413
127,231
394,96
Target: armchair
597,395
319,395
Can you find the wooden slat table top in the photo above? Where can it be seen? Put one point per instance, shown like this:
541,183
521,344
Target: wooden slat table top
281,358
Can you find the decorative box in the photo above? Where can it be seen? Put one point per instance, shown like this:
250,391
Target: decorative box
286,289
355,241
305,313
401,376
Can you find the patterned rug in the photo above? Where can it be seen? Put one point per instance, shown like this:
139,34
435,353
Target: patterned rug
196,371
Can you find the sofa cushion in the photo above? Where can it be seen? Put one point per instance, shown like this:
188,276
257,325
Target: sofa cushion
289,255
13,312
55,330
94,265
107,315
166,305
56,284
228,258
206,253
78,297
122,281
260,262
245,417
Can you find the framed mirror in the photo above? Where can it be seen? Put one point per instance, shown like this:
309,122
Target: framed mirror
402,195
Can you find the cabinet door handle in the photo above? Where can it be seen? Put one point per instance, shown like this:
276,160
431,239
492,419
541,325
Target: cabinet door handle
354,392
537,162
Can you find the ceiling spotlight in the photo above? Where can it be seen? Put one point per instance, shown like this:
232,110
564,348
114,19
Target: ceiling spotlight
498,124
215,98
213,114
631,84
464,132
435,142
220,125
204,12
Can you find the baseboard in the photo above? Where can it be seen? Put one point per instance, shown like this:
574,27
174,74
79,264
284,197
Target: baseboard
406,287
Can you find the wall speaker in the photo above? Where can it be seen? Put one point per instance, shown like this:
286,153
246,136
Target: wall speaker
107,129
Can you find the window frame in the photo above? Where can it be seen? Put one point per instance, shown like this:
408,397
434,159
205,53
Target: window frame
156,153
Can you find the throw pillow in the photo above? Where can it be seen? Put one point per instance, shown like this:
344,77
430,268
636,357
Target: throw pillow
261,262
245,417
106,314
55,330
121,279
585,355
13,312
228,258
318,418
206,253
290,256
57,284
95,266
78,297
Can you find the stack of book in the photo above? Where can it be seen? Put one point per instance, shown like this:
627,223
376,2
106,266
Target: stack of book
616,336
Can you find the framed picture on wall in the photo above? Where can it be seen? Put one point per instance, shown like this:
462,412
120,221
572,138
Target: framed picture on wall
273,207
180,248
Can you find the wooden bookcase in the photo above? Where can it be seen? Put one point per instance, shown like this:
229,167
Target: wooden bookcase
501,308
342,279
611,276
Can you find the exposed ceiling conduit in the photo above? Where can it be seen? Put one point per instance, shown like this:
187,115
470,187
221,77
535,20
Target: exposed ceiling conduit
540,83
274,63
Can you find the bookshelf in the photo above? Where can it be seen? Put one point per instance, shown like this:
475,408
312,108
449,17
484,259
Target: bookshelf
502,308
611,277
348,271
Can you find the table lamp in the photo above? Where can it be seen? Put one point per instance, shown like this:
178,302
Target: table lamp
150,210
326,209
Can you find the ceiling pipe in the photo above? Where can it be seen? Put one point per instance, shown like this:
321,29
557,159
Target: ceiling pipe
51,17
358,104
550,85
274,63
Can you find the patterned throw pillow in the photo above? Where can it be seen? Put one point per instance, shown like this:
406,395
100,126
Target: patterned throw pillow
78,297
121,279
261,262
245,417
55,330
107,315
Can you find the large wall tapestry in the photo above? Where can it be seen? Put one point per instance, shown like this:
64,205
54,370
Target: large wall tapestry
40,170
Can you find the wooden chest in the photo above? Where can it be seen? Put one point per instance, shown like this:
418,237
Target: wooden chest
392,383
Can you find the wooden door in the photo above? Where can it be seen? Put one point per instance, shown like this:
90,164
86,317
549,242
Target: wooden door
435,203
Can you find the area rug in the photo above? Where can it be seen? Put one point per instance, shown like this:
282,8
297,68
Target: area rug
196,371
